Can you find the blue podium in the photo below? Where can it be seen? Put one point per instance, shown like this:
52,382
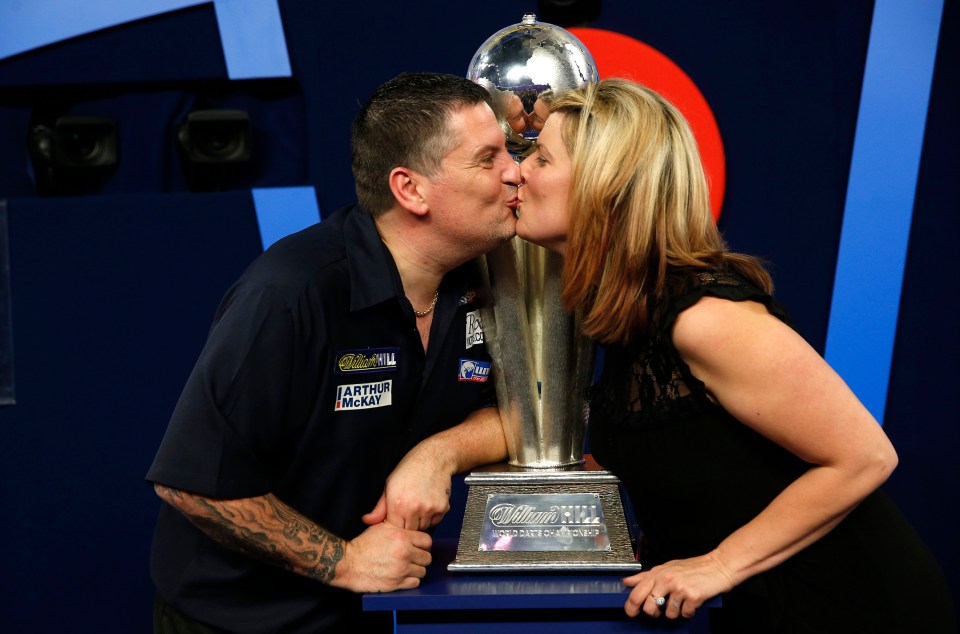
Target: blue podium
498,603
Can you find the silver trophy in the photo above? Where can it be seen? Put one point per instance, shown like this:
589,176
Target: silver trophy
546,508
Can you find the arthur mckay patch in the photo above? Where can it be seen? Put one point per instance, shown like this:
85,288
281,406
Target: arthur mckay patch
474,370
474,329
365,360
364,395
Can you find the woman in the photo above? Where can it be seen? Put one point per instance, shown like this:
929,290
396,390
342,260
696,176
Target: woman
752,468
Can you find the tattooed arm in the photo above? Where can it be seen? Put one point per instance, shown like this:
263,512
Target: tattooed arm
382,558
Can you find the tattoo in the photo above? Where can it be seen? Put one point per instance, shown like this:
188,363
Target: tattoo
265,529
167,493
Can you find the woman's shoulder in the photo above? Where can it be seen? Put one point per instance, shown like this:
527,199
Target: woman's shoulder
689,287
713,319
716,281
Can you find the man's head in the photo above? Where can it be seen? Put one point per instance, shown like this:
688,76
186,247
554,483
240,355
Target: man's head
429,144
406,122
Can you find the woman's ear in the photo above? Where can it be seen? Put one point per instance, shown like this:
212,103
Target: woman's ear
406,185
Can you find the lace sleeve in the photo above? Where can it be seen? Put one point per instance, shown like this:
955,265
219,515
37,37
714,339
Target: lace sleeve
650,382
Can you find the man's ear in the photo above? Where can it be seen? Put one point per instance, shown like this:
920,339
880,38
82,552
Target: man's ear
406,185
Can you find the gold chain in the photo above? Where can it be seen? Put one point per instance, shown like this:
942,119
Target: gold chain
424,313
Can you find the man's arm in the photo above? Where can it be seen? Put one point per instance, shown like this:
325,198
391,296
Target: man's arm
417,493
381,559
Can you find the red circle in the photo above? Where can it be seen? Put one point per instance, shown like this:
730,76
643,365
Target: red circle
618,55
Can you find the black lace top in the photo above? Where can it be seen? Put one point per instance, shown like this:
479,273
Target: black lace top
660,385
695,474
651,416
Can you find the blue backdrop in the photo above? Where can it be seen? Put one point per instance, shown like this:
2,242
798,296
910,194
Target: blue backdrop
839,127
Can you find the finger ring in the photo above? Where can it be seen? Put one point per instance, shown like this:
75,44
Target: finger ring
658,600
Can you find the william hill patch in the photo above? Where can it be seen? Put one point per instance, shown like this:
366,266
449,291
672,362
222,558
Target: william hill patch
365,360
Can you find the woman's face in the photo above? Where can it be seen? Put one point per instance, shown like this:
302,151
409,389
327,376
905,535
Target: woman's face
544,215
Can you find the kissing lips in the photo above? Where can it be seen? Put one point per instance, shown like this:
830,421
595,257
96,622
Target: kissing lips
513,204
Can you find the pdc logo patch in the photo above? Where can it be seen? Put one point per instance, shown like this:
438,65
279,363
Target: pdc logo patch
365,360
364,395
474,329
474,371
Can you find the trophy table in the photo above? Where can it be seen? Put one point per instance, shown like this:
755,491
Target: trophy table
548,508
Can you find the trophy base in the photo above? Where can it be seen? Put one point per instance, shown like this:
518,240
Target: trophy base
536,520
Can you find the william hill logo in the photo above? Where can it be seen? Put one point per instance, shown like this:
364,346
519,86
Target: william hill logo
366,360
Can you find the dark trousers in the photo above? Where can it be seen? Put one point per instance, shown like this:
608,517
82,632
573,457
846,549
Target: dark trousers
166,620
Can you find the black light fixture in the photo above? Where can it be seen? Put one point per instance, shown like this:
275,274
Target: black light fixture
74,155
215,147
569,13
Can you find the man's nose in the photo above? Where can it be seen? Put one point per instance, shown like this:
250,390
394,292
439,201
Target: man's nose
511,173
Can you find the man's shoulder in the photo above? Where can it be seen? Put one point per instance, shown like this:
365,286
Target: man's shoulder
307,262
321,241
300,256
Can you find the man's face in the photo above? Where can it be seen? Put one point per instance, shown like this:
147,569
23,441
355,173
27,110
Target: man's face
473,197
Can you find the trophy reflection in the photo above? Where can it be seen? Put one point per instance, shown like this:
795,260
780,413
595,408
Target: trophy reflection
546,509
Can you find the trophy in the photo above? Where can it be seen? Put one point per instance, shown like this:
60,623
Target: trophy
547,508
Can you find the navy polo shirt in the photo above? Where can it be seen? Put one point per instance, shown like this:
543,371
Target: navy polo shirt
312,385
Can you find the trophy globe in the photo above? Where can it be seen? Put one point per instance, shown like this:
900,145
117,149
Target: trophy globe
522,66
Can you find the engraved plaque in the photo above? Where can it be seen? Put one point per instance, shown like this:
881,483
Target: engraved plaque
544,522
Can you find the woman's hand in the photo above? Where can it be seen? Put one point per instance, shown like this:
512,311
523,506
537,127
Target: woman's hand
683,584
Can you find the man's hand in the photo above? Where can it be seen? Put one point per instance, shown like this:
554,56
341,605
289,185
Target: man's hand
417,493
384,558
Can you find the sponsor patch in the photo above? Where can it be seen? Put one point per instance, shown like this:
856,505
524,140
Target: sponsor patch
469,297
364,395
364,360
474,329
474,370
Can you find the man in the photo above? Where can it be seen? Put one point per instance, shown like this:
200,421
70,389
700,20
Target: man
343,383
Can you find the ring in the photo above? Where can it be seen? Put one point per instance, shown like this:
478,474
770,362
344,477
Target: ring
658,600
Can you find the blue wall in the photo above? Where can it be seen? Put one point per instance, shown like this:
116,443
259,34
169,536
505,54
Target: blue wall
111,292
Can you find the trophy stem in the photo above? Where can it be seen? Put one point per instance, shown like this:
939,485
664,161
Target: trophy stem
542,365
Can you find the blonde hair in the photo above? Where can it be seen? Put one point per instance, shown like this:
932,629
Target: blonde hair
639,206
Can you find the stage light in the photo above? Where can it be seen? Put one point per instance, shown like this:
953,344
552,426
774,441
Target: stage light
216,136
74,155
85,142
215,146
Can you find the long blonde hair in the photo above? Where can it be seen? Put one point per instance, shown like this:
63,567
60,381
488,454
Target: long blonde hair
639,206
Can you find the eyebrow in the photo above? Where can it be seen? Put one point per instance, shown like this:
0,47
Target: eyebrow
544,149
486,149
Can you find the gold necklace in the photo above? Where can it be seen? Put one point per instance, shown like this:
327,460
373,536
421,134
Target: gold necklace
424,313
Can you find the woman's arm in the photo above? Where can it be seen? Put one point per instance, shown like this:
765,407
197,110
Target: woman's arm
773,381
